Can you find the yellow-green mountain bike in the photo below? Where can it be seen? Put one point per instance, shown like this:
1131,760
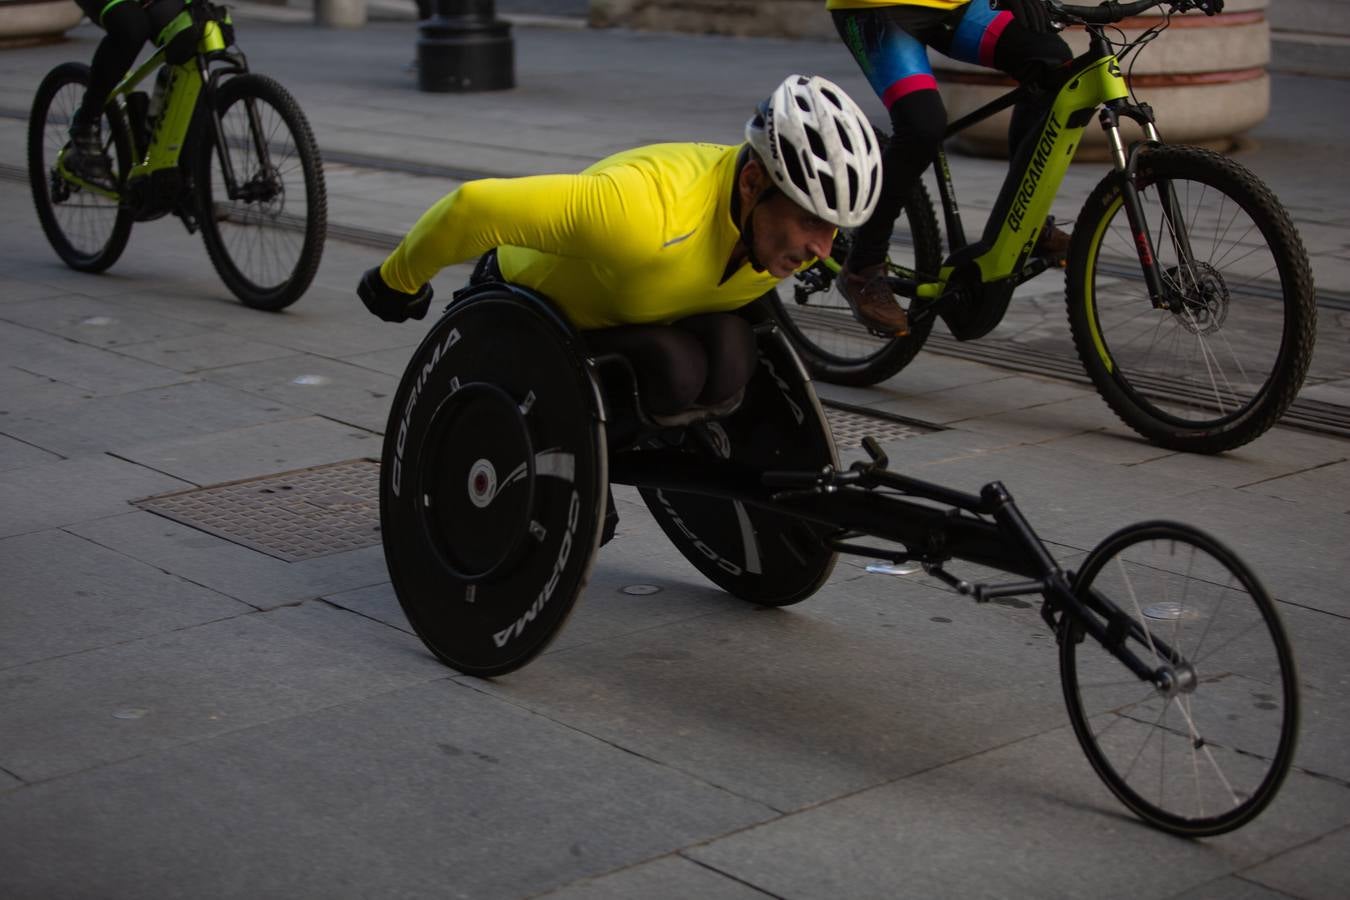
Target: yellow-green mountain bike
225,150
1190,295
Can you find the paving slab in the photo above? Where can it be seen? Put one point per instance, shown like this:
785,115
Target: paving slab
183,410
249,576
792,707
668,878
121,701
254,451
433,790
1299,874
36,498
336,390
16,454
1000,824
62,595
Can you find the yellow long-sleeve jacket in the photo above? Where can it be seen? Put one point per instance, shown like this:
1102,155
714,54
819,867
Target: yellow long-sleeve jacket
643,236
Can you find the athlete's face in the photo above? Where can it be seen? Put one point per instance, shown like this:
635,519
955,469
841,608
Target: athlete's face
785,235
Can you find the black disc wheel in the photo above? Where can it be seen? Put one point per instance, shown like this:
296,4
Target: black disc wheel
1220,357
836,347
261,194
1202,749
86,226
492,481
767,558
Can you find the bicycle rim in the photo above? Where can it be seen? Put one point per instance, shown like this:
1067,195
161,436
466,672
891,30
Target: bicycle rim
265,243
1217,365
1205,758
88,231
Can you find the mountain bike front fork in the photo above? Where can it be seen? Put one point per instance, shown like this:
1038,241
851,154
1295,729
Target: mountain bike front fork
1127,163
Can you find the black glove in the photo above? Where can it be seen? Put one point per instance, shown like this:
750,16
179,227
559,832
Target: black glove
1211,7
1031,13
389,304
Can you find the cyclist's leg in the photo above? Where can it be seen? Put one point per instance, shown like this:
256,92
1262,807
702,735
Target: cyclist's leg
997,40
127,27
888,45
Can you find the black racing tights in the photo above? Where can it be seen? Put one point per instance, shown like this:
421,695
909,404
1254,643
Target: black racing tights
703,359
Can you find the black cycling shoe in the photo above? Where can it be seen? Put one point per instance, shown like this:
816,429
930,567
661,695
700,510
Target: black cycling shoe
389,304
86,158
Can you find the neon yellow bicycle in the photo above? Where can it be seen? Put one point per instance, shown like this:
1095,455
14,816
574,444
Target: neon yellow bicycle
1190,296
225,150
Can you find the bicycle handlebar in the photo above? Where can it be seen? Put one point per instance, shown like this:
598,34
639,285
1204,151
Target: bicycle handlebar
1110,12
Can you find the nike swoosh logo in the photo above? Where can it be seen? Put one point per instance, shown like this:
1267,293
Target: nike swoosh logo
673,241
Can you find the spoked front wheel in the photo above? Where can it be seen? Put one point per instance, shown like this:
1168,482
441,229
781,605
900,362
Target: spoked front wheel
1206,753
87,227
816,317
264,208
1222,355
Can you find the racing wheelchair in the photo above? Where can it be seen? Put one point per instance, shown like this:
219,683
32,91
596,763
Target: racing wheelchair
506,432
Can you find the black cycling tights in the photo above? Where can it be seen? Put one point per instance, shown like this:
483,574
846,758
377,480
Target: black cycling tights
703,359
919,119
128,27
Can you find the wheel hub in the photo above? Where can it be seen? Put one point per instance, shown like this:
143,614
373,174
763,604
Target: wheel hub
478,496
1198,295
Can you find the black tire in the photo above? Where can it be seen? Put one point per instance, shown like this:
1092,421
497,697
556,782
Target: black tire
492,481
837,348
88,231
266,246
763,557
1222,363
1229,729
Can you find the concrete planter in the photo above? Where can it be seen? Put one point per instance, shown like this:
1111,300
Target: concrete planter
1205,77
24,22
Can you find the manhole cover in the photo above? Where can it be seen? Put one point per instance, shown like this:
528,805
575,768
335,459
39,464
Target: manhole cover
292,516
850,426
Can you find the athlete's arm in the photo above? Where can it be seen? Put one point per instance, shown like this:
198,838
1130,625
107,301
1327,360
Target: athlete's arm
589,216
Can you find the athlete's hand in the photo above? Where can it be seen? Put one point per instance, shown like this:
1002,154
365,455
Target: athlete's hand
1031,13
389,304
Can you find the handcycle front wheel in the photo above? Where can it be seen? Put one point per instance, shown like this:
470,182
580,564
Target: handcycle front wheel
266,241
837,348
87,230
1221,358
1206,755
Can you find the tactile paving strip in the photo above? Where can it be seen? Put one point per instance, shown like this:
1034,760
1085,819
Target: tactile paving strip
850,427
292,516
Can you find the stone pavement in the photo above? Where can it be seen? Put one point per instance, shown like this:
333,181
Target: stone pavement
183,715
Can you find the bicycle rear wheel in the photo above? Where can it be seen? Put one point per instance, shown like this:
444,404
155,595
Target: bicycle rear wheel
266,239
1221,360
836,347
1208,755
87,230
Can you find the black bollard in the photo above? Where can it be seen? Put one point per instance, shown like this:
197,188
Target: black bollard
465,47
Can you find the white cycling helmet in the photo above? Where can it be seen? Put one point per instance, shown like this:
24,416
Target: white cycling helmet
819,149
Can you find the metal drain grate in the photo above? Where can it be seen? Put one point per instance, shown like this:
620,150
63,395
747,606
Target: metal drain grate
292,516
850,426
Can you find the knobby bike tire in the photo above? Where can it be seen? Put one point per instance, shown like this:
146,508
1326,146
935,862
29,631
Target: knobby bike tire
1209,756
64,87
267,248
1222,368
856,358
